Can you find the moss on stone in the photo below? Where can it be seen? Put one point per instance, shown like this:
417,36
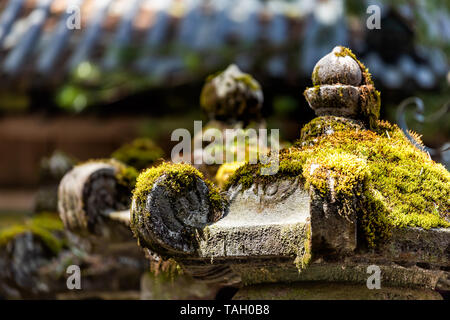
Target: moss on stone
315,77
370,103
396,184
325,125
179,177
43,226
249,82
125,175
290,238
225,171
141,153
367,77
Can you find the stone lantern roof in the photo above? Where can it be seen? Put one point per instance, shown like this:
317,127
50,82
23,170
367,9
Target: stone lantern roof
351,195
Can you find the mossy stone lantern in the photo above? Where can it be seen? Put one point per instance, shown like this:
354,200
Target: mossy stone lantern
352,195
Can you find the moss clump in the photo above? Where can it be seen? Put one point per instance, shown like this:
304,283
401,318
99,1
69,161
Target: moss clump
141,153
396,184
225,171
326,125
370,103
44,226
126,176
179,177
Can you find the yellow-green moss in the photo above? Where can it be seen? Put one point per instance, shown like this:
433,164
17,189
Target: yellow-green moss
126,176
225,171
141,153
249,81
396,184
315,77
180,177
290,237
43,226
325,125
304,258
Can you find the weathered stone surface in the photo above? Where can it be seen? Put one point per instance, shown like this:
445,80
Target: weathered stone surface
430,247
338,100
86,197
302,225
337,68
260,223
169,221
349,270
20,262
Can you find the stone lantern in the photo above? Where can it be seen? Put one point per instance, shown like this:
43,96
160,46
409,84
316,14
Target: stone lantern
353,198
354,211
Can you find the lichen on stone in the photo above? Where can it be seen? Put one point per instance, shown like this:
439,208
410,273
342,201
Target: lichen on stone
396,184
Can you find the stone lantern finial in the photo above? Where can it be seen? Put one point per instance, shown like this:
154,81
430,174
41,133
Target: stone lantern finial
343,87
232,95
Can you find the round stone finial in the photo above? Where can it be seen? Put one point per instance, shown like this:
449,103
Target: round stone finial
343,87
337,67
232,95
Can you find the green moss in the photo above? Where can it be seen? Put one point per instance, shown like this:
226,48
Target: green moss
43,226
325,125
396,184
249,81
315,77
225,171
141,153
370,103
126,176
179,177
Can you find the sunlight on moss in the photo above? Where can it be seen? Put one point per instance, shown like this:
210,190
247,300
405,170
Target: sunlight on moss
401,185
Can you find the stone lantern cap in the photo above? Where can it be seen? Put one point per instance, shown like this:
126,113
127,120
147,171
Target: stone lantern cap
232,95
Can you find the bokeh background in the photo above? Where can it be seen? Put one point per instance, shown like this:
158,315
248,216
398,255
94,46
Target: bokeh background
135,68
